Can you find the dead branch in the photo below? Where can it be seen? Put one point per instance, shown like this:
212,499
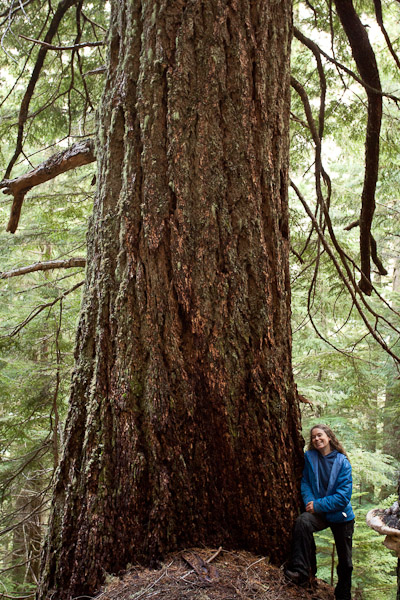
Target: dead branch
352,225
10,12
304,399
81,153
99,71
61,48
364,57
45,266
296,85
93,23
3,595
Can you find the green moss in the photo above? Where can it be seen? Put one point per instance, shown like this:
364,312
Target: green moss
154,15
136,387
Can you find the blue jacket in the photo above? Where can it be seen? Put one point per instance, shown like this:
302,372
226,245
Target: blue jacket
335,505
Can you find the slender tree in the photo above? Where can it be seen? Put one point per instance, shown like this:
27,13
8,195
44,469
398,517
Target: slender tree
183,426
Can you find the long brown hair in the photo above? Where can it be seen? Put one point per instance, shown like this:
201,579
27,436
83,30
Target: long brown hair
334,442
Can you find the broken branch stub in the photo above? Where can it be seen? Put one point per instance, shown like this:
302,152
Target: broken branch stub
77,155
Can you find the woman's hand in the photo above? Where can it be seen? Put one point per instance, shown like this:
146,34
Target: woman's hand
310,507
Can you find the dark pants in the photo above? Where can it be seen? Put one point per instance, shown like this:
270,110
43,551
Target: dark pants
303,550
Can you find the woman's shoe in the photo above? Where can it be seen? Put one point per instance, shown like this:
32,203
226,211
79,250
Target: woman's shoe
295,577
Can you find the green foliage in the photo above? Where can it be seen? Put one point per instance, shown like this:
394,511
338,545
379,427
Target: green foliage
36,362
36,356
350,381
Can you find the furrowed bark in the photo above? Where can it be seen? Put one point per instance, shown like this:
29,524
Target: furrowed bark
183,427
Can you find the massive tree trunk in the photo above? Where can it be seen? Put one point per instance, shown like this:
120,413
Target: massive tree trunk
184,424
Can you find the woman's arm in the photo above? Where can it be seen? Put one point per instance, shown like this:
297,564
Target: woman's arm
306,487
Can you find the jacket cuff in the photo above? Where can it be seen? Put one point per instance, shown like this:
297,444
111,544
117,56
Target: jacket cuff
316,506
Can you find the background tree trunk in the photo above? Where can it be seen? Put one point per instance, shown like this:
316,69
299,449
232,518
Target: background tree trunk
391,420
184,423
398,560
28,534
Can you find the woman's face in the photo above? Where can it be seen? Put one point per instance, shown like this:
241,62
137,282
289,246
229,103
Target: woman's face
320,440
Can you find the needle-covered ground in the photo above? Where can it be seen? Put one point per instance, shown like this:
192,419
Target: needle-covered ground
204,574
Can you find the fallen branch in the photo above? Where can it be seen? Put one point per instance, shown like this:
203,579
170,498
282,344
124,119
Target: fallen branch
214,555
45,266
202,568
81,153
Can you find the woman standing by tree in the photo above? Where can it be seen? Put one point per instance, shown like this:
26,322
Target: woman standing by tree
326,488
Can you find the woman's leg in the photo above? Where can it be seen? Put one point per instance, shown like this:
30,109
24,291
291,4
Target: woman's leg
343,534
303,559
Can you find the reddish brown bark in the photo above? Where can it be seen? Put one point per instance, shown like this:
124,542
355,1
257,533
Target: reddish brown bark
184,422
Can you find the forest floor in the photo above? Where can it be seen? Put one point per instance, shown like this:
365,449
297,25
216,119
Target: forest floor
203,574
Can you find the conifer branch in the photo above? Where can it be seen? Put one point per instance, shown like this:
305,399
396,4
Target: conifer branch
10,12
379,19
40,308
307,42
347,278
62,8
37,452
61,48
81,153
